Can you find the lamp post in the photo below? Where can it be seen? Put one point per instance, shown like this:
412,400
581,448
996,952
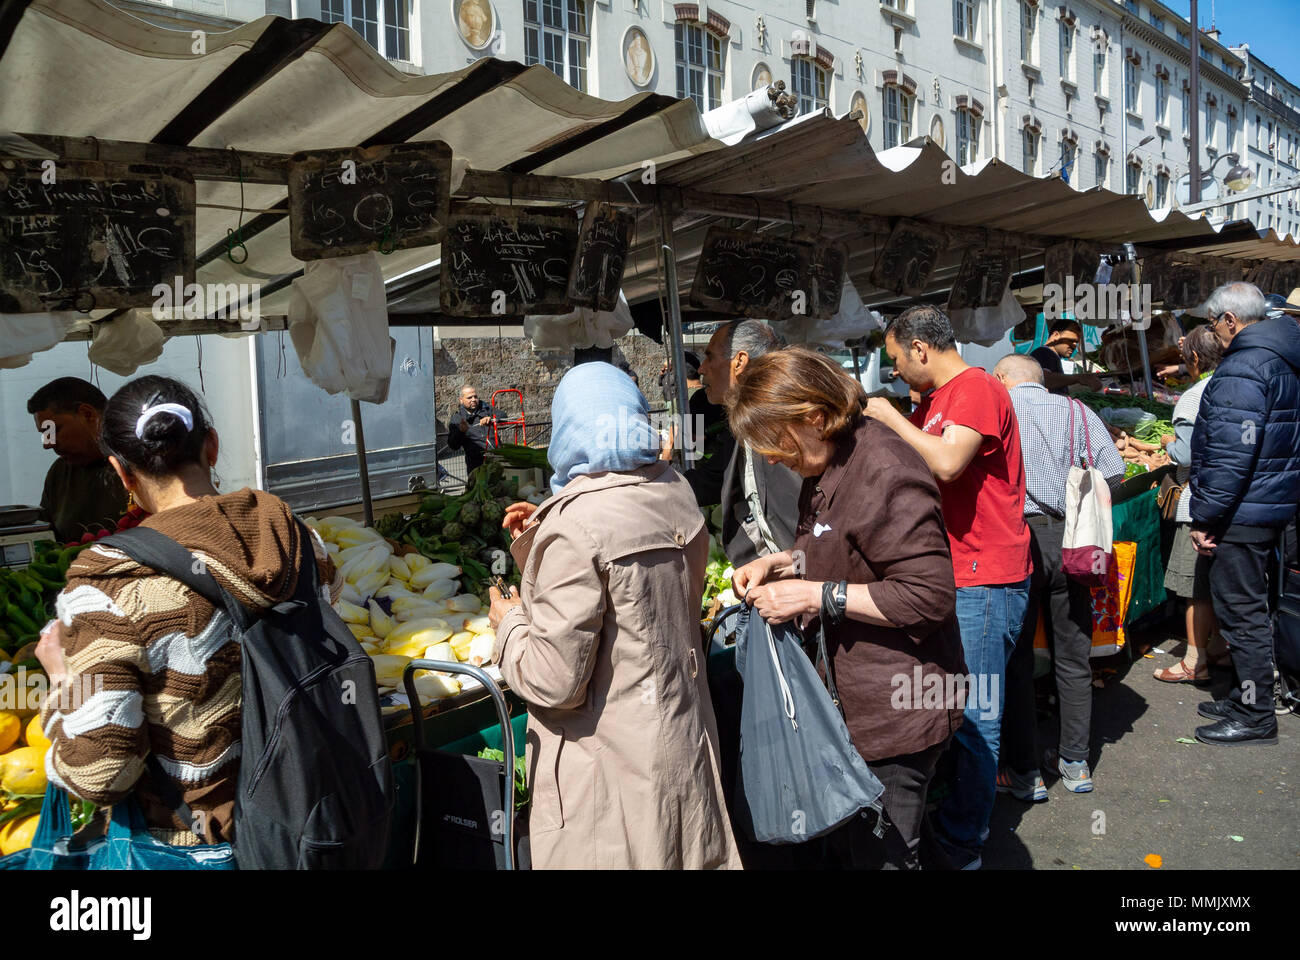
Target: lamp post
1194,118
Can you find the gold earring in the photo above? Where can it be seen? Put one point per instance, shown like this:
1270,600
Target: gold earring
130,500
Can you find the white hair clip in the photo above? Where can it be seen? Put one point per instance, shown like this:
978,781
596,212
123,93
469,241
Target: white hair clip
149,413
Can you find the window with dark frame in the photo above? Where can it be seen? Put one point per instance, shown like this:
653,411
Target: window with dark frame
809,83
384,24
557,34
701,56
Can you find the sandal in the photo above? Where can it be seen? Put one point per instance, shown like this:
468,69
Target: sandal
1179,673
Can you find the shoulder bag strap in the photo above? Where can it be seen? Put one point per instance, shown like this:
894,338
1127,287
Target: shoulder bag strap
825,660
160,552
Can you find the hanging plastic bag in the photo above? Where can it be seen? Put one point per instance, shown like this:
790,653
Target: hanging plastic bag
583,327
127,343
1086,547
800,775
851,320
338,321
23,334
987,325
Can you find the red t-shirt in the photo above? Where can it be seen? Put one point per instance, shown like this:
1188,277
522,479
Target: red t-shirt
984,508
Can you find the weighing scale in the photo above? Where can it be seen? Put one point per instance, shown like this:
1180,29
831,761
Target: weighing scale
21,528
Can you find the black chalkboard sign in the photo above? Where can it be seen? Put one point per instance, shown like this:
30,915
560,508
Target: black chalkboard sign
345,202
826,278
89,235
751,274
981,280
909,257
597,273
507,261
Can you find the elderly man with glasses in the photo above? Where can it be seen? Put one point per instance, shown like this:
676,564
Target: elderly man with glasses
1245,485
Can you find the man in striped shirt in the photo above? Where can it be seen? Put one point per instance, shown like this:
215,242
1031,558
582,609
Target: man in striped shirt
1049,452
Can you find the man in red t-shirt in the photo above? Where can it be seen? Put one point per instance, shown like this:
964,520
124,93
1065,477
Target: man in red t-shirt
966,430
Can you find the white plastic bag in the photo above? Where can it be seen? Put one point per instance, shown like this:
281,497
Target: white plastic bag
338,321
582,327
987,325
23,334
850,321
124,345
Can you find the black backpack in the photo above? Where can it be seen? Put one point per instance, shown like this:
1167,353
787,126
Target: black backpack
315,782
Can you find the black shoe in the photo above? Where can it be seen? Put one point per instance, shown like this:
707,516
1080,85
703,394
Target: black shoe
1232,733
1213,709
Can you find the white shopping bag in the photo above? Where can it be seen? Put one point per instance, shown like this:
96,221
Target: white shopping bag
1086,547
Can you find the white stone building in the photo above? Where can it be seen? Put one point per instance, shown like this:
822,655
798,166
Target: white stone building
1271,131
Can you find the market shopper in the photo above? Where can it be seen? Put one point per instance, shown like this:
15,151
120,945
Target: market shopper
1064,339
470,427
82,494
1056,433
1245,484
703,436
965,430
603,645
759,499
871,544
1187,573
161,653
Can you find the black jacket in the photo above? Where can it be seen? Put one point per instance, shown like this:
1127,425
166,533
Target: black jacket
475,436
1246,443
778,491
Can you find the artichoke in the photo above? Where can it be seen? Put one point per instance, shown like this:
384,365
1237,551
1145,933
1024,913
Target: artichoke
493,512
453,531
470,514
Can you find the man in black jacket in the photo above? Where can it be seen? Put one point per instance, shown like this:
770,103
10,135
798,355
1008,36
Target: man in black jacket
1244,487
760,501
470,427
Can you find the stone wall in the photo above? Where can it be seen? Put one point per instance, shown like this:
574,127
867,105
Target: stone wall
491,364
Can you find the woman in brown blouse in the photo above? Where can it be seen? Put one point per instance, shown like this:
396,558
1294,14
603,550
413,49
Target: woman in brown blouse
871,560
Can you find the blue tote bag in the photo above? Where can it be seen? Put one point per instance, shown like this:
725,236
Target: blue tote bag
125,845
800,775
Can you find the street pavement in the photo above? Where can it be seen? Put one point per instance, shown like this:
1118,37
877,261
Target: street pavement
1157,803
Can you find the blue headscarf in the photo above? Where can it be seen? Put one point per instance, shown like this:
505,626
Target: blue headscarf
599,421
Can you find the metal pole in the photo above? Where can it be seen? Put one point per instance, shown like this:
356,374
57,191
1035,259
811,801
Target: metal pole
664,213
1142,324
367,505
857,370
1194,114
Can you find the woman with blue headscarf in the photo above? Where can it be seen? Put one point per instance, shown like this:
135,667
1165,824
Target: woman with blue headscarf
603,644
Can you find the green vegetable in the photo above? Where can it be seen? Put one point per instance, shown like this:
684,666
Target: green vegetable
1133,469
1099,401
521,784
524,458
1152,431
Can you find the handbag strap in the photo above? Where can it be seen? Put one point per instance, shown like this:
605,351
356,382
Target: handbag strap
825,661
1087,437
55,821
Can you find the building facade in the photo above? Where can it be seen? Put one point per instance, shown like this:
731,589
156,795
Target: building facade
1271,132
1094,90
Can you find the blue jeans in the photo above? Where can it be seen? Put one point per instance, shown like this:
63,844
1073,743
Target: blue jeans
990,619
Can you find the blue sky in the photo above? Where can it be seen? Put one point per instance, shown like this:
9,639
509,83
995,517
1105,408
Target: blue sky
1271,27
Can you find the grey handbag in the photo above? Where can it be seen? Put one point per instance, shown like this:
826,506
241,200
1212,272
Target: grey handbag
800,775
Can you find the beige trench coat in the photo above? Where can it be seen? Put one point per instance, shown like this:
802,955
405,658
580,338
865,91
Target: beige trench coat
605,649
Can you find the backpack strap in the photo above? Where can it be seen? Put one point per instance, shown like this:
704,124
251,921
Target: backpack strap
156,550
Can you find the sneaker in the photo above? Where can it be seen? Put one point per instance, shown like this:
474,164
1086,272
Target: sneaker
1028,787
1213,709
1075,777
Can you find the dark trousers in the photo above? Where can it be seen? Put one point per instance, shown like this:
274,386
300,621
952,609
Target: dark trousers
1239,589
906,780
1068,608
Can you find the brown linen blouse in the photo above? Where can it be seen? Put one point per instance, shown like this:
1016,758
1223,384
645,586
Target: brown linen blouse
873,517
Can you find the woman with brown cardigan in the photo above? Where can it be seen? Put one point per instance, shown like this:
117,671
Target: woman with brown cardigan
871,560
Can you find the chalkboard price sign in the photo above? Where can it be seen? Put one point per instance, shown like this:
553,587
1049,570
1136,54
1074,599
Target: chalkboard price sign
345,202
826,278
909,257
597,274
752,275
981,280
89,235
507,261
